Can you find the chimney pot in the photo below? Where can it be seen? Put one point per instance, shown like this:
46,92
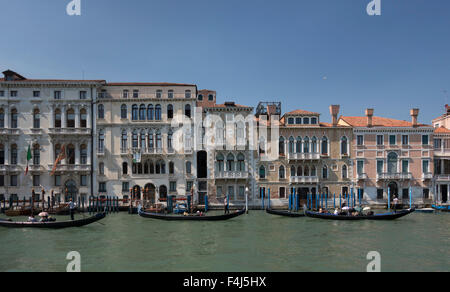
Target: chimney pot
414,115
369,114
334,112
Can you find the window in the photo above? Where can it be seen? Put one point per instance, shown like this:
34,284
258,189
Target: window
426,194
102,187
13,154
13,93
298,121
83,118
392,140
170,111
306,121
241,162
101,168
219,191
57,180
282,192
230,162
187,111
83,95
2,184
171,167
134,112
123,111
380,194
405,194
313,121
220,163
151,141
36,180
170,94
360,167
325,172
57,94
281,146
187,94
125,93
437,143
405,166
291,121
282,173
292,145
405,140
262,172
124,142
2,118
83,180
360,140
241,193
231,192
344,146
380,140
306,145
200,97
159,94
135,140
36,155
324,146
344,172
101,141
173,186
426,166
425,139
2,155
125,186
142,112
158,116
13,181
169,141
189,186
380,166
36,93
158,140
314,145
135,93
83,154
150,112
101,111
188,167
58,118
14,119
2,93
36,119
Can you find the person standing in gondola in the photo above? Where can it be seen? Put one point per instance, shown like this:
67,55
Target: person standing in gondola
72,206
225,203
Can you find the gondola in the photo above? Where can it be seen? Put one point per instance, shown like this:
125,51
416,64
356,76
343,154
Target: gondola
441,208
384,216
284,213
52,225
191,217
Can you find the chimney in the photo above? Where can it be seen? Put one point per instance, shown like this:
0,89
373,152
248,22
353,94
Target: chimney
414,116
334,112
369,114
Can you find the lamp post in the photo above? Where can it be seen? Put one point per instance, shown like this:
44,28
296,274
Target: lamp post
246,199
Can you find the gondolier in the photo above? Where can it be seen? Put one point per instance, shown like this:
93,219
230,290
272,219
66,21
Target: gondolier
72,206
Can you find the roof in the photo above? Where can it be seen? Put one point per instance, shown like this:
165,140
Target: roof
378,122
230,106
147,84
301,112
52,80
442,130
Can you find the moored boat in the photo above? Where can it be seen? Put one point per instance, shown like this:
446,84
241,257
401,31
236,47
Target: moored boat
191,217
425,210
443,208
284,213
52,225
383,216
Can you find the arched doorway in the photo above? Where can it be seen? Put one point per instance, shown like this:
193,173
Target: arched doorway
70,190
150,193
163,192
393,188
137,192
202,164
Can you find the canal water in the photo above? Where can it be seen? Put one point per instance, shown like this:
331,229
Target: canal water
255,242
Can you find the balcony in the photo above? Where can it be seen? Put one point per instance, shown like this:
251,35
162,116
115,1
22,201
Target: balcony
443,177
427,176
70,168
304,179
394,176
303,156
9,132
231,175
361,176
69,131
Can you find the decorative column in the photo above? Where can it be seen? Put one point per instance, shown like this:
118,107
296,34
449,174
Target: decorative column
89,147
63,117
77,153
52,118
77,117
6,145
7,117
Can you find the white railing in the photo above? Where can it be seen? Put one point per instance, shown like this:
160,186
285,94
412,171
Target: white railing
303,156
231,174
304,179
361,176
70,131
70,167
400,175
427,175
443,177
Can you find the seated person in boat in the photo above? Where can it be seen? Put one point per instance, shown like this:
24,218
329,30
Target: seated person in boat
32,219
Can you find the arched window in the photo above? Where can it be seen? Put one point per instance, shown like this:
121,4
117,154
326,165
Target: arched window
101,141
210,97
230,162
70,117
57,118
344,146
123,111
70,154
142,112
134,112
150,112
314,145
101,111
392,162
324,146
220,163
281,146
306,171
291,145
188,167
2,119
170,140
124,168
241,162
14,119
151,142
170,111
344,172
83,118
187,110
299,171
240,133
146,168
142,139
171,167
262,172
36,154
281,172
325,172
160,167
170,94
306,145
163,192
158,116
83,154
57,151
135,141
124,145
13,154
293,171
158,140
36,119
200,97
313,171
298,145
152,167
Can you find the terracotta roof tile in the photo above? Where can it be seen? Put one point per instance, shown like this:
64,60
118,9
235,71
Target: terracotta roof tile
301,112
378,122
442,130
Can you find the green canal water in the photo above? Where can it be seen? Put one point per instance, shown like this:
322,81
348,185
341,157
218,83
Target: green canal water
255,242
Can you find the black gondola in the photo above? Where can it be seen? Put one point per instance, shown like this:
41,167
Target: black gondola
285,213
384,216
191,217
52,225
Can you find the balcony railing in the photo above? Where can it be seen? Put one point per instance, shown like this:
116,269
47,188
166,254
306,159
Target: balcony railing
70,167
9,131
303,156
231,175
361,176
427,176
304,179
443,177
69,131
395,176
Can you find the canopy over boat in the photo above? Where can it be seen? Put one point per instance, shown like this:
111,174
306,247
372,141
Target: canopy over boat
284,213
53,225
384,216
191,217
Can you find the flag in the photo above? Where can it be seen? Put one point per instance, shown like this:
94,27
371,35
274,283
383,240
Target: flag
29,157
60,157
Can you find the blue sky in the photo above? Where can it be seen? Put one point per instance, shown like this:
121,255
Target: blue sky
306,53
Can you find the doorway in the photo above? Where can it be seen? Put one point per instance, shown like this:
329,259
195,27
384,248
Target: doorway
444,193
202,164
393,188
